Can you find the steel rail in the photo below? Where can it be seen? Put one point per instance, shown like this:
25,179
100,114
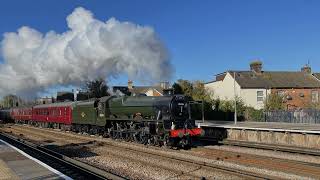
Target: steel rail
237,172
223,169
275,147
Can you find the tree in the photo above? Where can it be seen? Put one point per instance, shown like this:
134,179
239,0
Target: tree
177,89
195,90
186,87
274,102
228,106
10,100
199,93
97,88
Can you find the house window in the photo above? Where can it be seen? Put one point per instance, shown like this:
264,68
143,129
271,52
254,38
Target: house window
314,96
259,96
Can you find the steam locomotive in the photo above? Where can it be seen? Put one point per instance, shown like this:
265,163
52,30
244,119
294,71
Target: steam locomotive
160,121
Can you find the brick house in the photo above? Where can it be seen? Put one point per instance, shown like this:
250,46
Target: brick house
300,89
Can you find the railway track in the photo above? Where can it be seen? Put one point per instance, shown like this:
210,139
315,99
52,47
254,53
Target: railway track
303,168
197,165
200,165
289,166
290,149
70,167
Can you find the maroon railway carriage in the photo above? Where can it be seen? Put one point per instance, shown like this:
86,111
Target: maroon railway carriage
57,113
21,113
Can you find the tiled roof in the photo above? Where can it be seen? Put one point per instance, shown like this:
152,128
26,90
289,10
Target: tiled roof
317,75
144,89
276,79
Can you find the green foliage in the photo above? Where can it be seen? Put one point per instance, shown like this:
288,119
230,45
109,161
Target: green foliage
195,90
177,89
183,87
215,108
274,102
9,101
199,92
228,106
97,88
252,114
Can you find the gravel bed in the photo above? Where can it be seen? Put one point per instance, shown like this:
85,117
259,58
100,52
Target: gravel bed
229,165
110,161
194,171
268,153
122,162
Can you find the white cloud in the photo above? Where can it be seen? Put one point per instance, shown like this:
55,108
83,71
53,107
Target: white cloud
91,48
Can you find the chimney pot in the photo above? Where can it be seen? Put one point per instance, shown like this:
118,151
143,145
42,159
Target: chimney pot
306,69
256,67
164,85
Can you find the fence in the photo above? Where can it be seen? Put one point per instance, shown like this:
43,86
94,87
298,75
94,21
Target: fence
310,116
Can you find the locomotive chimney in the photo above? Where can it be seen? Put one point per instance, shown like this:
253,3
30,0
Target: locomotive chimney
130,84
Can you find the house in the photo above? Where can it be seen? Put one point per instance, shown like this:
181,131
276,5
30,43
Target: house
299,88
45,100
161,89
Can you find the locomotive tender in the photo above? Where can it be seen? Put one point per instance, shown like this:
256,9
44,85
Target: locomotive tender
5,116
162,120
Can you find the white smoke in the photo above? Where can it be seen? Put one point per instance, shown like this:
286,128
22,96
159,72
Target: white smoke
91,48
117,93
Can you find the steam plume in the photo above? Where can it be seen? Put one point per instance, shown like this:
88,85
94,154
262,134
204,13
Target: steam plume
89,49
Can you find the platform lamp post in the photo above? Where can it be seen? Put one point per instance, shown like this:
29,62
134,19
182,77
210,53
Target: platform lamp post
235,97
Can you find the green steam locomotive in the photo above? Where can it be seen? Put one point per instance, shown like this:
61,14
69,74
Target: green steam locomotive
162,120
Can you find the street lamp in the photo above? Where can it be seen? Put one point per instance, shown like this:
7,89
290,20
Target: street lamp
235,98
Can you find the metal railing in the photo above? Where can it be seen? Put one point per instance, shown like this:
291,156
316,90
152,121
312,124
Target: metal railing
309,116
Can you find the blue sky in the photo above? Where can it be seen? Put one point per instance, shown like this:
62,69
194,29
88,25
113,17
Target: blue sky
203,37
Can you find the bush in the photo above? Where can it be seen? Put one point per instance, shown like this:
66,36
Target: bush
252,114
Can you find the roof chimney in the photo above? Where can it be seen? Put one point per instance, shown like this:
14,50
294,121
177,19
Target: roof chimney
256,67
306,69
130,84
164,85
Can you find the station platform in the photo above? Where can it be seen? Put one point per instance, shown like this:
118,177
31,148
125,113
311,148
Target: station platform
267,126
15,164
289,134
